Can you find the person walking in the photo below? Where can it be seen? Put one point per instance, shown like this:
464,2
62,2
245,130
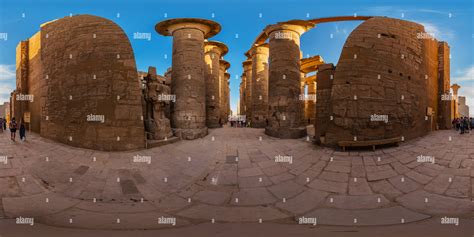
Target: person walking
13,126
22,131
466,124
4,124
1,125
472,123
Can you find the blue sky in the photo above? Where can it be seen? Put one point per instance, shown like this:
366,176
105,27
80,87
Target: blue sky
242,21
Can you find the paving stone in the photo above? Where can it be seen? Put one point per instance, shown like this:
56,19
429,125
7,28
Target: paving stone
382,216
254,171
232,214
332,176
328,186
357,202
425,170
359,186
436,205
420,178
286,189
253,182
399,167
36,205
303,202
378,175
385,188
404,184
358,171
274,170
368,160
171,203
128,221
212,197
439,184
10,187
300,168
115,207
281,178
459,187
339,166
252,197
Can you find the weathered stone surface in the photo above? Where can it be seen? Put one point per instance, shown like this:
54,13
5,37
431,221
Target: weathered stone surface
386,70
232,214
94,82
356,202
304,202
213,52
285,115
384,216
259,101
435,204
188,113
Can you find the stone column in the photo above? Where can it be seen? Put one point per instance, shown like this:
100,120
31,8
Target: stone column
311,100
222,84
227,97
213,51
247,64
285,113
243,97
188,114
455,88
259,55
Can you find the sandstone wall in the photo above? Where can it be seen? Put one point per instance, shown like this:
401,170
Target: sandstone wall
407,66
323,96
91,70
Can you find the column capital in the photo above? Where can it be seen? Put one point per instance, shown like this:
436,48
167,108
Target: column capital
247,64
224,64
210,45
258,49
208,27
297,26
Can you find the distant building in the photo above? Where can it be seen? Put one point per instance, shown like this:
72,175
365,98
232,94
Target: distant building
463,108
4,110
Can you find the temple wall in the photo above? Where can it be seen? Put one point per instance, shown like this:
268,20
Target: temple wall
323,100
385,68
79,66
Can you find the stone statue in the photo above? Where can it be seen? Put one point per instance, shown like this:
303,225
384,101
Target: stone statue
157,124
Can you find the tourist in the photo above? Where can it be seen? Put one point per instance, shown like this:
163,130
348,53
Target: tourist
13,127
22,131
472,123
5,124
1,125
466,124
457,124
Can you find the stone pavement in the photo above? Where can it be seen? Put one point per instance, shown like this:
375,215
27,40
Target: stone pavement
239,175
